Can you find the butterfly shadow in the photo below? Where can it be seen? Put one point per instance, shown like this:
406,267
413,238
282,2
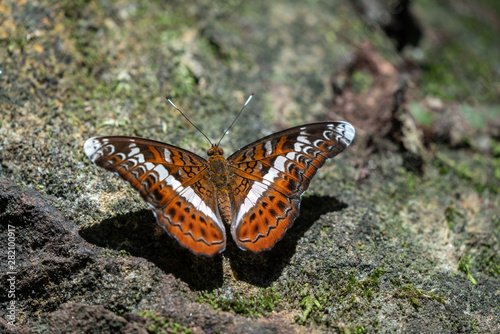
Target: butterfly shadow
138,234
262,269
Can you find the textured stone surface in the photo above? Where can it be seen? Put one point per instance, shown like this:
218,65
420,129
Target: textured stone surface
399,233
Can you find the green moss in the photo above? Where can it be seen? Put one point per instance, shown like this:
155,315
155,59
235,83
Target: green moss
497,168
422,115
254,306
361,81
412,181
473,117
456,71
74,9
495,146
414,296
473,171
488,261
124,253
343,292
183,80
308,304
451,215
464,266
104,254
439,80
159,324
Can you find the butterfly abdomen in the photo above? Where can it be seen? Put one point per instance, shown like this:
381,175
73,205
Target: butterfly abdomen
224,205
219,174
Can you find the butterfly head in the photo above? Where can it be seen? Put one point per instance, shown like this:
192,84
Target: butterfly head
215,150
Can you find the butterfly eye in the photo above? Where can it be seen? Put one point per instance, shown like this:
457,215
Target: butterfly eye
210,151
220,151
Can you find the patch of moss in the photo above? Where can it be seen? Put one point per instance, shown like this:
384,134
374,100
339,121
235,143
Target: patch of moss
473,117
308,304
412,181
471,170
496,220
254,306
124,253
334,298
73,10
443,77
451,215
464,266
495,146
488,260
422,115
414,296
159,324
104,254
361,81
184,81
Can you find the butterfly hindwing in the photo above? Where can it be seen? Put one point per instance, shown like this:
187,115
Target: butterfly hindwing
193,219
271,174
261,214
172,181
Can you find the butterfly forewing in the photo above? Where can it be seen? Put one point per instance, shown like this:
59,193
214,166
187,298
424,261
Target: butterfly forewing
172,181
272,173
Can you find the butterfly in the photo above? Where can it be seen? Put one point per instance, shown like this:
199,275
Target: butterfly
256,190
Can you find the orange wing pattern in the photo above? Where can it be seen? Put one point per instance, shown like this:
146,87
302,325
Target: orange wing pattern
271,174
258,187
172,181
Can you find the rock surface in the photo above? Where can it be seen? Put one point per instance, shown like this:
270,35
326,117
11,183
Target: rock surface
397,234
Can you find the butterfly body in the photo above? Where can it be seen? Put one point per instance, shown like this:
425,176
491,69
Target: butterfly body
256,191
219,173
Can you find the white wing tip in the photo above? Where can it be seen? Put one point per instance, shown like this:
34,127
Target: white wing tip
348,132
91,145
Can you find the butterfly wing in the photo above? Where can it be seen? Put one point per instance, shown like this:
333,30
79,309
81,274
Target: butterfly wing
271,174
172,181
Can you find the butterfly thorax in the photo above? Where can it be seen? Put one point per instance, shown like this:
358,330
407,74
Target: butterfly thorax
217,166
218,171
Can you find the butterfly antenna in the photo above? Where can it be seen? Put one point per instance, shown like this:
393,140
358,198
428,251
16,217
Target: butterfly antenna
225,132
197,128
